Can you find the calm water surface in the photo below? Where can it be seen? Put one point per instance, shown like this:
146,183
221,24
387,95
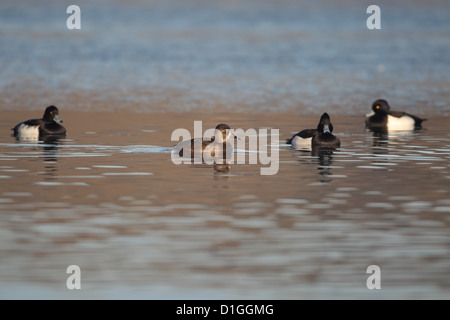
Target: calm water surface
248,55
109,199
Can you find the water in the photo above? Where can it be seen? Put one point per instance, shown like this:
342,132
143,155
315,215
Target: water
112,202
213,56
109,199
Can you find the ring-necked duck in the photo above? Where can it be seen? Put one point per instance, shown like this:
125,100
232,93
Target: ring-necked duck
218,143
36,129
382,118
324,137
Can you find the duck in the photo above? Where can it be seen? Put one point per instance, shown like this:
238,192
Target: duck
382,118
302,139
37,129
323,137
223,136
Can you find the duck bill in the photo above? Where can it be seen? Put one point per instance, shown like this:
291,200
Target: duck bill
57,119
230,136
326,129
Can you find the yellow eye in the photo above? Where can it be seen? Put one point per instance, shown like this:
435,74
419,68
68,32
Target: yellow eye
377,107
51,112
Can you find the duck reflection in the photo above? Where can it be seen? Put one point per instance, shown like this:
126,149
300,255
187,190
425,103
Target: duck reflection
219,169
322,157
384,140
50,148
380,141
49,144
324,162
222,168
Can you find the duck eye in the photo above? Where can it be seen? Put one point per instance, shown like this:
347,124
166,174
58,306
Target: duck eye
377,107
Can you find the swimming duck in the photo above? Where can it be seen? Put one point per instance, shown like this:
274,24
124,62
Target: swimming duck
324,137
382,118
223,136
36,129
302,139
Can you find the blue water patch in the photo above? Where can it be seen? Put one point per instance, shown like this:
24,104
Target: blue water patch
303,57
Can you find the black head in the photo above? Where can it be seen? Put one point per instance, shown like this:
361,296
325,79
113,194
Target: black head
325,125
381,105
51,114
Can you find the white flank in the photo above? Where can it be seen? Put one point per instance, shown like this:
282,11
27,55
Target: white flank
403,123
28,133
301,143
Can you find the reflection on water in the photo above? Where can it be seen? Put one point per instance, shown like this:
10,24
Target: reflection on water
109,199
222,168
380,142
140,226
48,147
325,160
50,154
322,157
